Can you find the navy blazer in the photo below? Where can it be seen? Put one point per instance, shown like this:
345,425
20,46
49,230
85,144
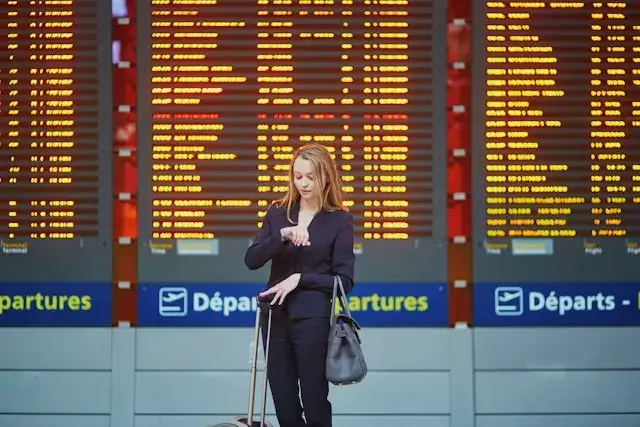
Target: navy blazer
330,254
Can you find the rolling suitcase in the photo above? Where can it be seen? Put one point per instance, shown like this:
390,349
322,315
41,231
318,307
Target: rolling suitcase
248,420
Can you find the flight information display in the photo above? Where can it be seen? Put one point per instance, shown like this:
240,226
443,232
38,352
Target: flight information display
54,155
232,87
555,135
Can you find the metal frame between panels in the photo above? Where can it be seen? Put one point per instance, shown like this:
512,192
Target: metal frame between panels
460,247
125,230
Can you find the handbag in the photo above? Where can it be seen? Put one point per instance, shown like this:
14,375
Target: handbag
345,360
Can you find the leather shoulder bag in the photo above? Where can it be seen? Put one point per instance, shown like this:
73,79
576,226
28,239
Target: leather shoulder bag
345,360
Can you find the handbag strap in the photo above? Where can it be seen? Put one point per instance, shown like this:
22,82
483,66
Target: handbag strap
342,296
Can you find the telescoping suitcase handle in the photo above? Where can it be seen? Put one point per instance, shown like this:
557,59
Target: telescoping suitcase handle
264,304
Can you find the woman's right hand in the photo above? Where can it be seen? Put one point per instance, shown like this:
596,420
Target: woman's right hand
298,235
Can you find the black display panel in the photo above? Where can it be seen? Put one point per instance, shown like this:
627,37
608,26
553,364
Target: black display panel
55,134
556,125
229,88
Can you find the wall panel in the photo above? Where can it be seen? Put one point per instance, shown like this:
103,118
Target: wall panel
576,377
203,374
55,377
557,377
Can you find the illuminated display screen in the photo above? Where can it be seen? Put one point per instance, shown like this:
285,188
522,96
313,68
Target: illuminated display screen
51,169
556,131
233,87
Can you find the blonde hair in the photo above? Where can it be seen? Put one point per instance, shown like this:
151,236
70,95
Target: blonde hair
325,173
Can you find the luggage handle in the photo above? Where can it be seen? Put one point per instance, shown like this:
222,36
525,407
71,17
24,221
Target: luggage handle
262,302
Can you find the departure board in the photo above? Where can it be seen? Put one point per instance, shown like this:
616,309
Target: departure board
556,140
54,140
232,87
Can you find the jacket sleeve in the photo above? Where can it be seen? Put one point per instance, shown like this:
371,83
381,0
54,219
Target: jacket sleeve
265,246
343,261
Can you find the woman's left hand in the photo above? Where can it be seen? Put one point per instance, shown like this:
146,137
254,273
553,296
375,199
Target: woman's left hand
282,289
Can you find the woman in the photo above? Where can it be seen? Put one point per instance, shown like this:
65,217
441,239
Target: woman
308,236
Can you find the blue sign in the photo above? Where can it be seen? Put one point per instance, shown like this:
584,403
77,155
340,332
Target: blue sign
234,305
556,304
55,304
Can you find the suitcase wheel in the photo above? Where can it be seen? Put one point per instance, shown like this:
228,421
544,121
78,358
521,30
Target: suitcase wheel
243,422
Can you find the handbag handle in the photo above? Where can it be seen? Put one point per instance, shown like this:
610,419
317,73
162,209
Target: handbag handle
337,283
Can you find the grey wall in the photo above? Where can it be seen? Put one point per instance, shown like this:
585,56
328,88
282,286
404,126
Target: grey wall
560,377
512,377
